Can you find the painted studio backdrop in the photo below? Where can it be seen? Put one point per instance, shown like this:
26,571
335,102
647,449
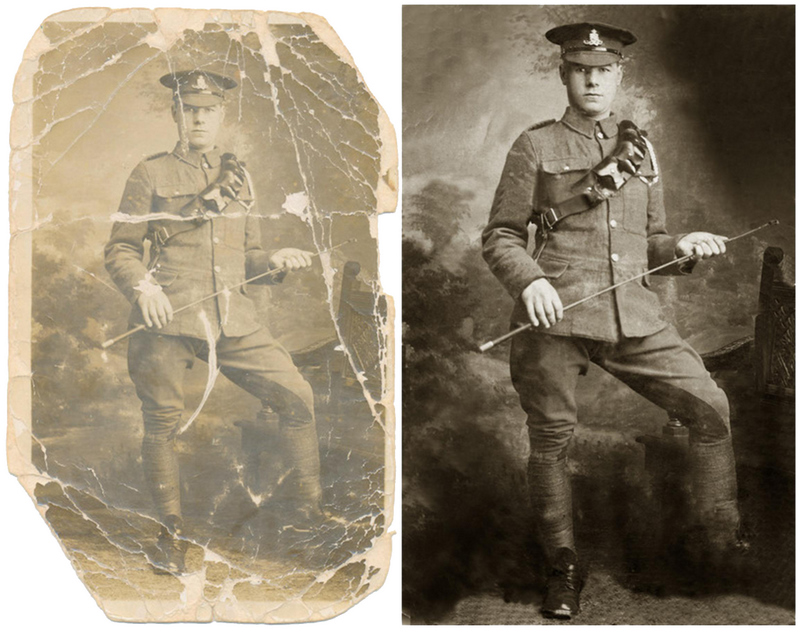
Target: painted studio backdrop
714,88
320,153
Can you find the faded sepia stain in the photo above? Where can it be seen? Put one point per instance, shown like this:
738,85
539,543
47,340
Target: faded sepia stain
322,157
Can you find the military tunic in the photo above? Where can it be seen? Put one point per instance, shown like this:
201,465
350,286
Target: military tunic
622,237
190,260
623,331
190,264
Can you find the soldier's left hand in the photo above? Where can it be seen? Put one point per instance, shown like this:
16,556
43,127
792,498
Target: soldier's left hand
291,259
700,244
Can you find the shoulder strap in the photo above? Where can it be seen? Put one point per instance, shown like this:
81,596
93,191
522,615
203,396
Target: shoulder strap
541,124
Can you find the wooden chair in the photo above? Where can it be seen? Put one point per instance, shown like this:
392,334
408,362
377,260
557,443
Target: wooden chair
757,373
334,377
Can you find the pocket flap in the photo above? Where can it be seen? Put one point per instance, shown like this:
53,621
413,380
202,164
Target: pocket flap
176,191
164,277
566,165
552,266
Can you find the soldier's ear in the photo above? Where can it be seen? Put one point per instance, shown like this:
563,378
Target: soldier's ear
620,73
174,112
562,72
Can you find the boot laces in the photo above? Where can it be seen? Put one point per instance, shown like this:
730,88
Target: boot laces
566,577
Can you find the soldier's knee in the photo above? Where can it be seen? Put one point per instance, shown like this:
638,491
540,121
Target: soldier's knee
306,394
295,408
711,421
293,412
295,421
710,432
719,401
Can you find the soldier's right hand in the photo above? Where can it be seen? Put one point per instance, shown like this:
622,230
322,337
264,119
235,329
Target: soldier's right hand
542,303
156,308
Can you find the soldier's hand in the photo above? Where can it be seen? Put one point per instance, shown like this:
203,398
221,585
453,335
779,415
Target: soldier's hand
701,245
291,259
543,303
156,308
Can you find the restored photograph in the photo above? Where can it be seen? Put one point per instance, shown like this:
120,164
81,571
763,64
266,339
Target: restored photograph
201,353
598,314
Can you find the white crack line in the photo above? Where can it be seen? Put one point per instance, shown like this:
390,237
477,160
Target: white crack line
213,370
325,261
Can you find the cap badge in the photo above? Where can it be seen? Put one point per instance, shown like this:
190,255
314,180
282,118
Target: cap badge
200,83
594,39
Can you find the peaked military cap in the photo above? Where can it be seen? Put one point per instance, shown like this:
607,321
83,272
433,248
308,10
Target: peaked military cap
590,43
198,87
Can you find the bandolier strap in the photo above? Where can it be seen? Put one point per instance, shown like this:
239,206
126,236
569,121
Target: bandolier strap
605,179
209,203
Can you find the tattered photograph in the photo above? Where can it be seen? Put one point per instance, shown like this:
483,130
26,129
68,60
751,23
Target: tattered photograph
598,314
201,353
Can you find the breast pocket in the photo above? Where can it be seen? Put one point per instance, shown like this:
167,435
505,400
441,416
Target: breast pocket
178,199
164,277
553,267
562,179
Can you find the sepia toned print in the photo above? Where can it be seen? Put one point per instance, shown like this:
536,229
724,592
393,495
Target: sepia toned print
600,426
201,400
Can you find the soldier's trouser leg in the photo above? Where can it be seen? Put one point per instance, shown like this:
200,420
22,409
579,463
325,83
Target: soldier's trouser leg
261,366
157,365
667,371
545,370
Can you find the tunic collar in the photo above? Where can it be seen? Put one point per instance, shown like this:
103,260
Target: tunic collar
586,126
195,158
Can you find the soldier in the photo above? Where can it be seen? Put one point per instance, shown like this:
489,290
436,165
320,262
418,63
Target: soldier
591,185
195,207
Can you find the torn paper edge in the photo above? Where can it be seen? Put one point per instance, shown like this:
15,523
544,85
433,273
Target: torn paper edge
19,438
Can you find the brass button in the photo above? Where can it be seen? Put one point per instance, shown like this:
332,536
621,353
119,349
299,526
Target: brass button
613,224
614,257
216,240
217,269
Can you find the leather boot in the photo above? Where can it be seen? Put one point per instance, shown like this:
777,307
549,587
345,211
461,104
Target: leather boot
551,505
171,547
564,584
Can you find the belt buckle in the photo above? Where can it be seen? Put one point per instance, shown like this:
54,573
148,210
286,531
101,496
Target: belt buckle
550,224
161,236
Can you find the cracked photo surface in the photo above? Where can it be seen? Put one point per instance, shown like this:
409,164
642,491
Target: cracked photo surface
201,357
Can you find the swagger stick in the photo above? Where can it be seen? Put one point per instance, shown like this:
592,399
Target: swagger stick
269,273
490,344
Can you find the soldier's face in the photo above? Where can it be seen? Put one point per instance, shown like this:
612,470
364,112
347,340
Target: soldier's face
198,126
591,89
